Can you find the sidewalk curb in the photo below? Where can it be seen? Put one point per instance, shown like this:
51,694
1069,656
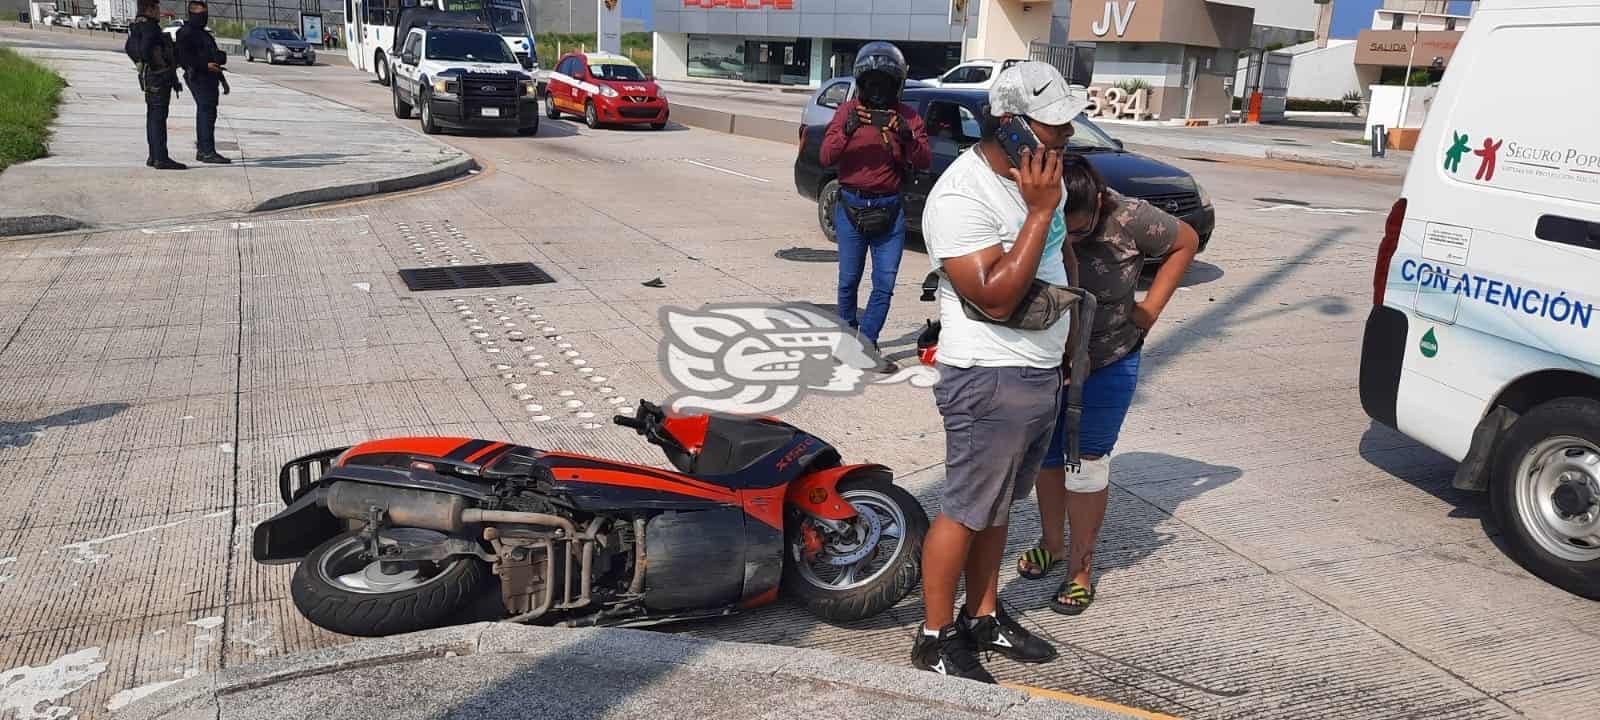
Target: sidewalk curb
37,225
202,696
750,126
454,169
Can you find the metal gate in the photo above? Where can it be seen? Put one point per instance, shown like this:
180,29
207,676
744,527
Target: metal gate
1076,62
1268,74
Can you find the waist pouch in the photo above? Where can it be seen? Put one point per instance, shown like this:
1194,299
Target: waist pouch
871,221
1040,308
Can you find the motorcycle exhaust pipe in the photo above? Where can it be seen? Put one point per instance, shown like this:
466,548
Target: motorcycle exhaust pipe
404,507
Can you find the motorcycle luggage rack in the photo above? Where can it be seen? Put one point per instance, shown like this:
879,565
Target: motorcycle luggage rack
301,474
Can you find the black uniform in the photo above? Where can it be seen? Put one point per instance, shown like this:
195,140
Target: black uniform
196,48
156,58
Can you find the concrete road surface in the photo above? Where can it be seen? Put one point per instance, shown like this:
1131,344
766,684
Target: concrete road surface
1269,551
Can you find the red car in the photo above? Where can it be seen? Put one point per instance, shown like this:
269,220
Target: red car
605,89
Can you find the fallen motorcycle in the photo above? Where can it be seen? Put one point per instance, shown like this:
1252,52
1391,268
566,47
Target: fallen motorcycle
403,534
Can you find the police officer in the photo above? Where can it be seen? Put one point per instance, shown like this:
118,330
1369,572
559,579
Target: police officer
156,58
202,72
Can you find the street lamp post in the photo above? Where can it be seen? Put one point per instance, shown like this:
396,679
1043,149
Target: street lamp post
1405,92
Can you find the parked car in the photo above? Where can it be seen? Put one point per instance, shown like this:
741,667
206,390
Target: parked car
278,45
1482,341
833,93
605,89
976,74
952,116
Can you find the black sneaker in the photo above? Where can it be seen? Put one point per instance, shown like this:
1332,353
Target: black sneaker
1001,634
170,164
949,654
212,158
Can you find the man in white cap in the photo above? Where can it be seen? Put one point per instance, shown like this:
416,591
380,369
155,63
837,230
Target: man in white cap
993,227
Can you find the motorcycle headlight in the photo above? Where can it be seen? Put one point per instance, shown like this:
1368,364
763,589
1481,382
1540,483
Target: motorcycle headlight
608,91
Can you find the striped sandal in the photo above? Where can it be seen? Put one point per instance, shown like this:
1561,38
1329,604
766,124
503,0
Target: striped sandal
1072,598
1041,559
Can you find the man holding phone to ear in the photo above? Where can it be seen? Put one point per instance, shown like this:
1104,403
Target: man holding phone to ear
993,224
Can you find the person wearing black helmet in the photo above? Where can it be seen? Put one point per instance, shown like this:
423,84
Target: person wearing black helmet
875,140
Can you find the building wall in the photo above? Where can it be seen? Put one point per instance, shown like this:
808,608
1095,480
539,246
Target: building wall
1292,14
1384,20
670,59
903,20
1326,74
567,16
1007,27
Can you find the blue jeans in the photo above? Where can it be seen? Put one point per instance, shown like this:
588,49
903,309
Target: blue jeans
1107,394
886,250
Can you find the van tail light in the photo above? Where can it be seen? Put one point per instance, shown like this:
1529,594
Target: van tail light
1386,249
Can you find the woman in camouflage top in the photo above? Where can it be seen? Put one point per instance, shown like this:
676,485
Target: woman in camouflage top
1111,237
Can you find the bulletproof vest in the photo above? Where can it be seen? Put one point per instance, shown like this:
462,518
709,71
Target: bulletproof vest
165,57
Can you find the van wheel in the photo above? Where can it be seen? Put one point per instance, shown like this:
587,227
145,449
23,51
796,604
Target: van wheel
380,64
1545,493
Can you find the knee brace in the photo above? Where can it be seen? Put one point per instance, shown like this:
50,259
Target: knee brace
1093,477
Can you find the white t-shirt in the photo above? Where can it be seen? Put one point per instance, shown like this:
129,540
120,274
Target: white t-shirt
969,209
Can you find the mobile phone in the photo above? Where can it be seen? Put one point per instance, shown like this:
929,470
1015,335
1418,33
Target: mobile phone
880,118
1014,135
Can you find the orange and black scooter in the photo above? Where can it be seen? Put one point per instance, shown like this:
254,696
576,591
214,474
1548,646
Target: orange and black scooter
403,534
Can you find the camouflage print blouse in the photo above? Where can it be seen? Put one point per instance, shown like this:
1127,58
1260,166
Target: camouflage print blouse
1110,262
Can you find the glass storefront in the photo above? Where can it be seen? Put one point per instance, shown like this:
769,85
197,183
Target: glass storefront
774,61
716,56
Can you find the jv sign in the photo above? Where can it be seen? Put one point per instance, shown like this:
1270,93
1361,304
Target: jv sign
1116,17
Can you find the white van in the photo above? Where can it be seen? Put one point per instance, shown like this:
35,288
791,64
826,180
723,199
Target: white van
1484,339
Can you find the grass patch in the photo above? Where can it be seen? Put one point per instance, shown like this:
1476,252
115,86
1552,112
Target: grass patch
636,46
29,93
1356,141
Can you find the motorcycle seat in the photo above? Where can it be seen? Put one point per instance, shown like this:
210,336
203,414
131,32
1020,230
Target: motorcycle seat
733,445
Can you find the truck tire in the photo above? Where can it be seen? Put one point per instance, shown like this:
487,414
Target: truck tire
418,600
380,65
402,109
1545,493
425,109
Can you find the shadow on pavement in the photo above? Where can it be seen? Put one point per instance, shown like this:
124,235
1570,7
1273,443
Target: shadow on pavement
1132,530
300,161
21,433
1200,272
1424,469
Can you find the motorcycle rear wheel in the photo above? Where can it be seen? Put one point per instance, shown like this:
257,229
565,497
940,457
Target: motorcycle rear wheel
873,584
338,587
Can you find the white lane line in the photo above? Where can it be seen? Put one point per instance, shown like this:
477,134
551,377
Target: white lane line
1317,210
725,170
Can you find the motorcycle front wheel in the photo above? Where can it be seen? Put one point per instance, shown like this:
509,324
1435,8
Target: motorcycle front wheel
339,586
866,569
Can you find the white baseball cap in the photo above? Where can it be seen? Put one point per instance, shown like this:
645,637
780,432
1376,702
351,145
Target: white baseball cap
1037,90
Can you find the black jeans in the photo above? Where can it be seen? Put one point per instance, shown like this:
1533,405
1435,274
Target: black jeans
155,123
205,90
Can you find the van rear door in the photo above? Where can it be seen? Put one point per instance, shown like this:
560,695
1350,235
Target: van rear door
1500,253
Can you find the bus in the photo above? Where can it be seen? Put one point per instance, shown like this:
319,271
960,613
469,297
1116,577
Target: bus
369,28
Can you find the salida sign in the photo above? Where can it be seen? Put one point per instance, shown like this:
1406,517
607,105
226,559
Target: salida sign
740,4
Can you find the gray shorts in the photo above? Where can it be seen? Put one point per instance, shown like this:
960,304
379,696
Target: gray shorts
997,427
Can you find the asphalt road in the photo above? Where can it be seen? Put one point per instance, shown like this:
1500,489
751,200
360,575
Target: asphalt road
1269,551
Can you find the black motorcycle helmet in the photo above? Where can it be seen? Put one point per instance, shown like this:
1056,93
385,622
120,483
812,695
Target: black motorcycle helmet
880,74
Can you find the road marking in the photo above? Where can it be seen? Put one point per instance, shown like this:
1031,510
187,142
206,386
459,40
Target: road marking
725,170
1317,210
1090,702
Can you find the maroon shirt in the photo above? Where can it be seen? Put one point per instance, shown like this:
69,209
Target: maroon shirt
865,162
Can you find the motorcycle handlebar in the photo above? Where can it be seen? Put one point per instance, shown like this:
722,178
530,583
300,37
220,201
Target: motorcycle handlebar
629,422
